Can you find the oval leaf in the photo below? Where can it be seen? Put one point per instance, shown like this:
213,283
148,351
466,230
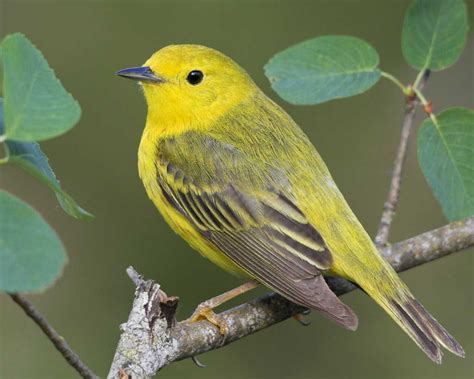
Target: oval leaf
446,155
434,33
31,254
28,156
37,106
322,69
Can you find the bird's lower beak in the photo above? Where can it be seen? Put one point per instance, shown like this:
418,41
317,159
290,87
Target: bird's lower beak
142,74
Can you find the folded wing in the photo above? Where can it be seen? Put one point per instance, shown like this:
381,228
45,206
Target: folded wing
264,233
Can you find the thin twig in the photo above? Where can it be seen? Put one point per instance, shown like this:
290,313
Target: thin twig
59,342
391,202
142,350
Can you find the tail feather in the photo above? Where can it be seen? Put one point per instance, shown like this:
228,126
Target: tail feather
425,331
387,289
440,333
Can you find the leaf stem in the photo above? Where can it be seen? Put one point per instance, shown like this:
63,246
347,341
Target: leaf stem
397,82
426,105
420,96
419,77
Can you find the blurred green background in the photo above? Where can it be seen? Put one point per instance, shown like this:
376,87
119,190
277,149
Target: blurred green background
86,42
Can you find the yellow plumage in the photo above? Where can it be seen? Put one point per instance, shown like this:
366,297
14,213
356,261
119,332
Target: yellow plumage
235,177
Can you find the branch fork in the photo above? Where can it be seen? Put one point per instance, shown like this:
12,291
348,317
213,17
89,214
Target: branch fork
146,331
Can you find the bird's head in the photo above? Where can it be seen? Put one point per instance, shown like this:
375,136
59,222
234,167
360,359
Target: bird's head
190,83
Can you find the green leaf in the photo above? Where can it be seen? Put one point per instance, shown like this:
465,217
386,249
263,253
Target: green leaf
322,69
446,155
28,156
32,256
37,106
434,33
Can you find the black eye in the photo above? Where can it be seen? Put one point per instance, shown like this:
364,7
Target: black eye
195,77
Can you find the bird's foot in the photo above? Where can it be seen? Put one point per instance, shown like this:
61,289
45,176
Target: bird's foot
300,318
205,312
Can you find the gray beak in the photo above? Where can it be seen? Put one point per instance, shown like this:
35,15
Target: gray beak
142,74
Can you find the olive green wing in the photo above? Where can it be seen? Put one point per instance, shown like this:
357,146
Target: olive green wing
263,231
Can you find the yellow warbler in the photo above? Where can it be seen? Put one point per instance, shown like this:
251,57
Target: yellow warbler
234,176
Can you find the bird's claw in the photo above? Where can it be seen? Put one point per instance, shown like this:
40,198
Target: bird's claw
300,318
197,362
204,312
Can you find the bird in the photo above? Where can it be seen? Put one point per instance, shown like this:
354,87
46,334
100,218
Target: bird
234,175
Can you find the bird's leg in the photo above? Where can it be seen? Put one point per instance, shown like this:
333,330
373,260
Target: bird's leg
204,311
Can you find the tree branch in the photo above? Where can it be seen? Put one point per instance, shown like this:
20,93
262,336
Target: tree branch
393,196
59,342
151,340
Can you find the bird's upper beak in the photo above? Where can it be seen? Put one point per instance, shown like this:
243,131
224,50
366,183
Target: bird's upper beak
142,74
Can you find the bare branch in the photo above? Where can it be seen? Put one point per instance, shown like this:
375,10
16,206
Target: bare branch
390,204
59,342
145,348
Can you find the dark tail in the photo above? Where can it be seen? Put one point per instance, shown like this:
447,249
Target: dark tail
423,328
388,290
